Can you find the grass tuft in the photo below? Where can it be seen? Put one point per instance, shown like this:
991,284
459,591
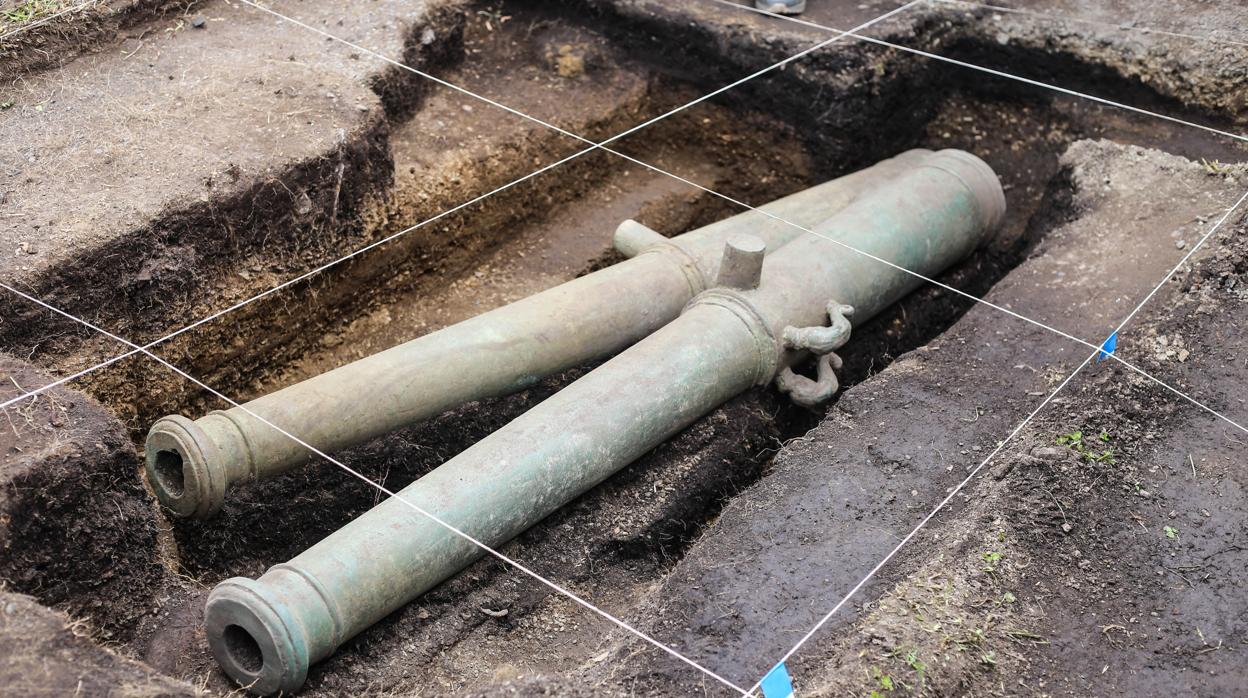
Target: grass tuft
23,13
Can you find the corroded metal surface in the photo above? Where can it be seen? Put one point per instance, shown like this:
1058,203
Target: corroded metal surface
191,464
267,632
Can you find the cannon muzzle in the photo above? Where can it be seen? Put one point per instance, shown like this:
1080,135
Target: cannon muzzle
743,332
192,463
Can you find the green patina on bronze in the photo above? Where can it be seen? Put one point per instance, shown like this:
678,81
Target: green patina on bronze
191,464
267,632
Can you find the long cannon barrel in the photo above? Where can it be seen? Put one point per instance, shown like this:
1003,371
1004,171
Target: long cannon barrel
743,332
190,464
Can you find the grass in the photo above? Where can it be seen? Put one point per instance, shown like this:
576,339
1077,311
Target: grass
29,11
912,659
954,619
991,560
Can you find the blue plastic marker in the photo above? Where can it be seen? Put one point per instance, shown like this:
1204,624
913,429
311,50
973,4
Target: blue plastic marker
1108,347
777,684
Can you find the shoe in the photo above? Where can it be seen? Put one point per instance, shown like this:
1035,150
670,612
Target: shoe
781,7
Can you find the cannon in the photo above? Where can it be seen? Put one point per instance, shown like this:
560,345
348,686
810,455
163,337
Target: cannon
190,464
760,316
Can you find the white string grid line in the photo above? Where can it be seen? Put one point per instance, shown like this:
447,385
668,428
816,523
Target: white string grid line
839,34
49,18
1082,20
136,349
984,69
383,489
1000,445
592,147
143,350
1095,348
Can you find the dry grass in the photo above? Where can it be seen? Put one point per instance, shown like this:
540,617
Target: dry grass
15,14
38,34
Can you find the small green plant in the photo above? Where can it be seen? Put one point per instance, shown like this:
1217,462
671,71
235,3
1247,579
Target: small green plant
1106,456
883,681
988,658
1171,532
1075,441
912,659
991,560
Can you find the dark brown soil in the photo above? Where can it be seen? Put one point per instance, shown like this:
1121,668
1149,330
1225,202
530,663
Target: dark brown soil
77,526
47,653
707,542
997,595
1156,557
58,31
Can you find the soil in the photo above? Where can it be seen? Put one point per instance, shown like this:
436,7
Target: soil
77,528
160,172
48,653
784,552
58,31
1122,572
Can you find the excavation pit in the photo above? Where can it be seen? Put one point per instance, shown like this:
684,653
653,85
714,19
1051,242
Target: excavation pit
421,151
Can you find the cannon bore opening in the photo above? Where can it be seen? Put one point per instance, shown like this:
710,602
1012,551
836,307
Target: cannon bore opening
169,473
757,147
243,649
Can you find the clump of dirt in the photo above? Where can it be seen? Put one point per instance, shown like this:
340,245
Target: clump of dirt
283,187
1180,76
952,627
47,653
77,527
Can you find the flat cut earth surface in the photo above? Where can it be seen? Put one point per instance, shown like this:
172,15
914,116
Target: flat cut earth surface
161,161
1056,568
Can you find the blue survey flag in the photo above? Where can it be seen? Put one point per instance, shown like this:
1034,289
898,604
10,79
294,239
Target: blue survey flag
1108,347
777,684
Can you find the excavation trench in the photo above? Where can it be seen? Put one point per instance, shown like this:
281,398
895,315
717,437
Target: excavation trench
616,541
